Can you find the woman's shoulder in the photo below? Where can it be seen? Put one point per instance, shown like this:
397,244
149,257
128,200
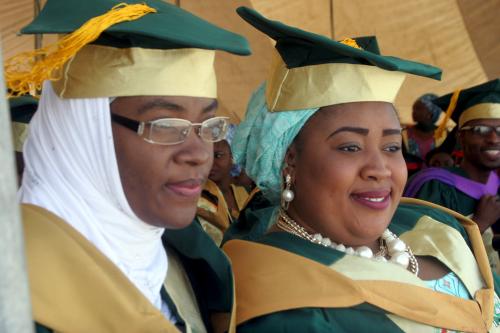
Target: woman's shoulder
412,211
254,220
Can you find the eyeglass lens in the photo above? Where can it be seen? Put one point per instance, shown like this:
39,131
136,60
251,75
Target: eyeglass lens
485,130
172,131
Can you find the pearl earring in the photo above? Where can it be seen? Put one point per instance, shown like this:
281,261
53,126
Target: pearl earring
287,195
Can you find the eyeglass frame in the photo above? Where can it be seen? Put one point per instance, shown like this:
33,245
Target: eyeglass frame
495,129
138,127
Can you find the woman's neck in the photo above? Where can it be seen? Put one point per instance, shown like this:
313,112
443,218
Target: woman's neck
224,185
373,245
227,191
425,128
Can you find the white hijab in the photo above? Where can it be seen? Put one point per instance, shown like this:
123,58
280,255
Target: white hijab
71,170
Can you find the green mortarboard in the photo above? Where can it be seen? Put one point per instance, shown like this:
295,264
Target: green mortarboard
22,110
314,71
146,47
478,102
170,27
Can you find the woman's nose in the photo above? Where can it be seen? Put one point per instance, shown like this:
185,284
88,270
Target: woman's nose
376,167
194,150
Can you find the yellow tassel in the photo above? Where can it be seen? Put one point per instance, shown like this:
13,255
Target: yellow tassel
451,107
25,72
351,42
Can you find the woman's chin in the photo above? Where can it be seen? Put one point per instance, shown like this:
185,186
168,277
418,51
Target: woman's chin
175,219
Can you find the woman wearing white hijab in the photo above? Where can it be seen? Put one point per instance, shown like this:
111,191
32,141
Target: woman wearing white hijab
118,152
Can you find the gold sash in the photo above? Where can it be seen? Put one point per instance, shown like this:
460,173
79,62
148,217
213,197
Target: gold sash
216,214
269,280
75,288
241,196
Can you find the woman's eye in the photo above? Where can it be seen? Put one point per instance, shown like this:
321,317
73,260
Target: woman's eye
393,149
350,148
218,155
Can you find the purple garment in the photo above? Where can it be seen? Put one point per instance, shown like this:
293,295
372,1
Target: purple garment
471,188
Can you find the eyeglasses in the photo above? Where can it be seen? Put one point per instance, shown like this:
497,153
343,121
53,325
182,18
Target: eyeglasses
172,131
482,130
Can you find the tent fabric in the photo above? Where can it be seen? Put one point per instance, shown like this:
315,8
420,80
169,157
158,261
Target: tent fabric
459,36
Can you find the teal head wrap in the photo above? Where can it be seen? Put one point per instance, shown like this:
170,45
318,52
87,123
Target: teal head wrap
262,139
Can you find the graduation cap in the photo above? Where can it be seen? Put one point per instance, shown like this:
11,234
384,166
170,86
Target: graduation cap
122,48
311,70
22,110
477,102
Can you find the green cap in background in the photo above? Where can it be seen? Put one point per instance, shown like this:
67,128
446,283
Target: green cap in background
477,102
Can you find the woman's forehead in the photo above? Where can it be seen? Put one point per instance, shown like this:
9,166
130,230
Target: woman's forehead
368,113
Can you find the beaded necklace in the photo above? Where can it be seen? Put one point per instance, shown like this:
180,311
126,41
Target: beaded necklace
392,248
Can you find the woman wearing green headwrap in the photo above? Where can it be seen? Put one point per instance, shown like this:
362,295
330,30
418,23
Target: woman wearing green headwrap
322,140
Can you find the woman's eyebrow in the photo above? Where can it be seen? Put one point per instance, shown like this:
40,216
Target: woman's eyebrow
392,131
159,103
212,107
365,131
358,130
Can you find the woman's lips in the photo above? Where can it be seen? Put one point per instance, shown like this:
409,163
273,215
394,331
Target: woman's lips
187,188
373,199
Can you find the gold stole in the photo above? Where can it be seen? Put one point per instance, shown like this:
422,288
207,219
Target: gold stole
250,197
241,196
218,215
269,280
75,288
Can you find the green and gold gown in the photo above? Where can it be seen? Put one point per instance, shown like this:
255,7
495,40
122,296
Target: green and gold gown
287,284
75,288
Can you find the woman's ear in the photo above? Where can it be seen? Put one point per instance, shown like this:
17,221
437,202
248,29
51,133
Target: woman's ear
291,160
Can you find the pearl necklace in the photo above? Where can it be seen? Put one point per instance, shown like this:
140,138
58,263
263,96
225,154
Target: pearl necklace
392,248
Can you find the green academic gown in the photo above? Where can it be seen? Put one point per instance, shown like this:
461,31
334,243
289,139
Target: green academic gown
274,296
75,288
454,199
447,195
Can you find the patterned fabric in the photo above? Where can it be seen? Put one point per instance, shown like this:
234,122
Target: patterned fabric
496,312
262,139
236,168
449,284
418,146
231,129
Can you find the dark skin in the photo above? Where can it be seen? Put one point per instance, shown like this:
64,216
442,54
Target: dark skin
243,180
480,158
421,114
162,183
220,172
441,160
345,158
423,117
